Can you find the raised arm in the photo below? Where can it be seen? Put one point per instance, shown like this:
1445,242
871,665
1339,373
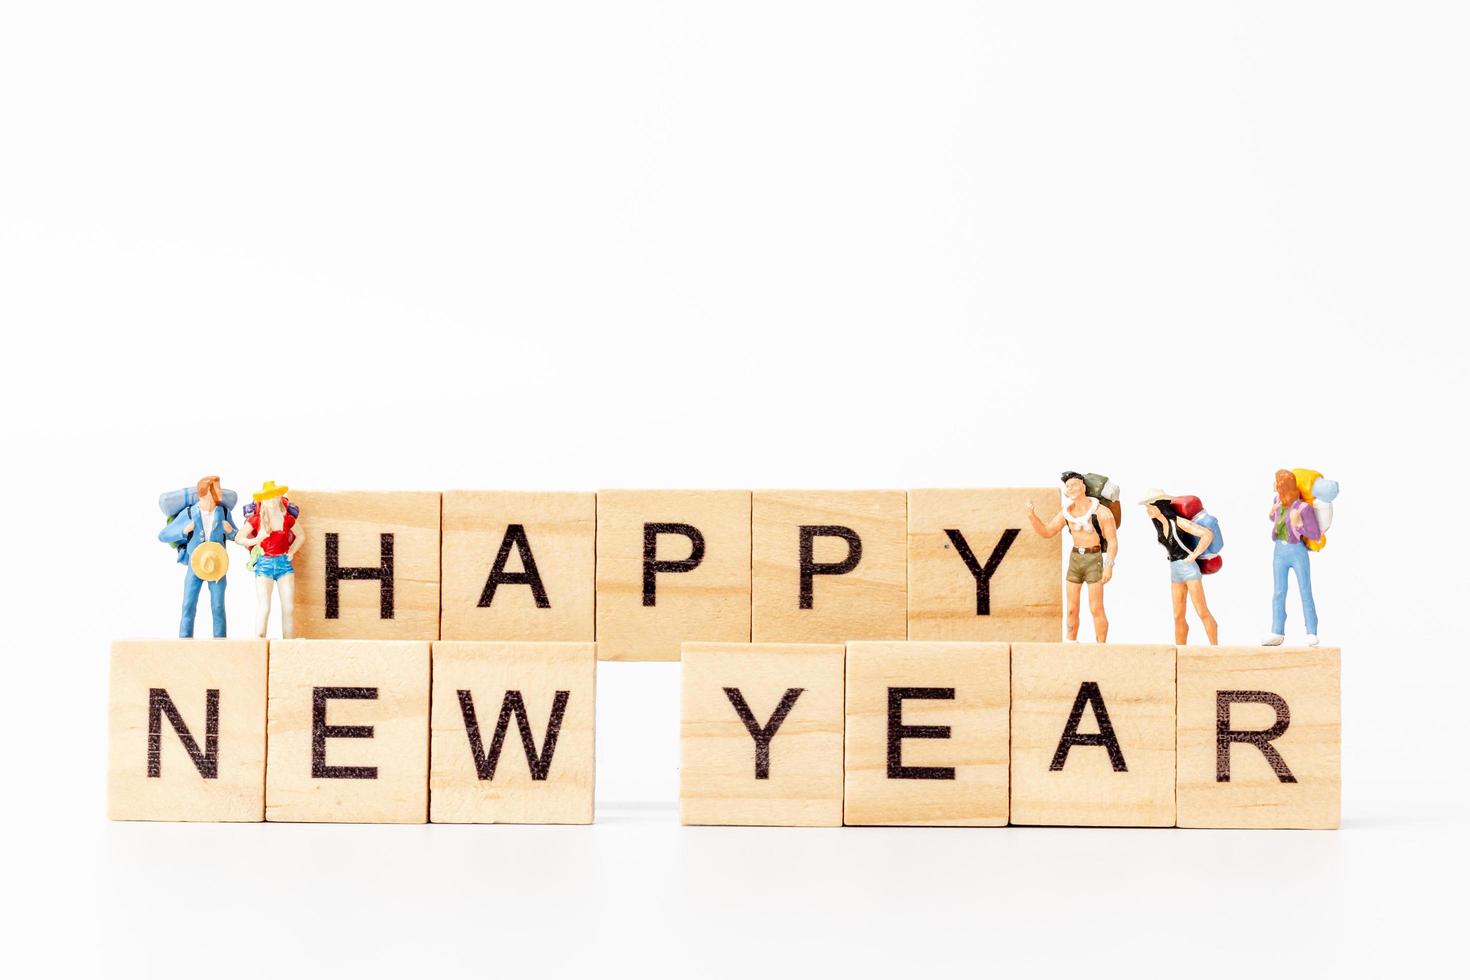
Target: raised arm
1051,528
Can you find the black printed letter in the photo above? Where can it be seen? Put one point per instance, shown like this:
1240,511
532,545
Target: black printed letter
513,704
321,731
652,566
160,704
898,731
764,735
982,573
383,574
1224,734
810,568
1089,693
515,534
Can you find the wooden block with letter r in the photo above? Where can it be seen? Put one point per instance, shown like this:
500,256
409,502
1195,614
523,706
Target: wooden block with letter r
828,566
977,571
761,734
928,734
186,725
1259,737
369,568
1092,735
512,732
518,566
348,731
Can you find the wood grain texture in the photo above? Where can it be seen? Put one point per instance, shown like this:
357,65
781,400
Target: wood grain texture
398,672
1024,589
560,531
359,520
718,781
1136,687
512,793
709,602
976,748
187,670
1306,680
867,603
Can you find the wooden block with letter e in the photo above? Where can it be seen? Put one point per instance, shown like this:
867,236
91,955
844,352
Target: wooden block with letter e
928,734
186,725
977,571
1092,735
348,731
828,566
512,730
518,566
370,566
672,565
1259,737
761,734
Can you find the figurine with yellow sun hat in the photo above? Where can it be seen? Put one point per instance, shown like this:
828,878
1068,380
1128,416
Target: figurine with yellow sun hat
273,535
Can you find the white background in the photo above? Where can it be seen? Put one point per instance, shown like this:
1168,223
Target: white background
583,245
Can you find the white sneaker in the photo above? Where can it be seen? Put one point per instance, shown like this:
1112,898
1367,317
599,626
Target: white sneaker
1273,640
1311,639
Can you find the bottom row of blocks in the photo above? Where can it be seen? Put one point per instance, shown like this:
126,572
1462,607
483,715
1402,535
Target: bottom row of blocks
870,733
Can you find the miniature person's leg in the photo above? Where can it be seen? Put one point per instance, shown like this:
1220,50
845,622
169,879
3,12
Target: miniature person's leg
217,607
287,585
1074,611
1303,566
1099,615
262,604
1280,562
1197,595
192,583
1181,625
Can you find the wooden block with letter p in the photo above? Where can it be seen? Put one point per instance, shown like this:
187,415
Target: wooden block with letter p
369,568
186,725
672,565
828,566
928,734
1092,735
977,571
761,734
1259,737
512,732
348,731
518,566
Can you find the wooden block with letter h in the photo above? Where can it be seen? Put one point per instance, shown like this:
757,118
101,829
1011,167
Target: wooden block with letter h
512,732
369,568
761,734
186,723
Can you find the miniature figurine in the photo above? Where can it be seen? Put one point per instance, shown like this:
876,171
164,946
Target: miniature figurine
1300,516
1092,515
1192,546
201,518
273,537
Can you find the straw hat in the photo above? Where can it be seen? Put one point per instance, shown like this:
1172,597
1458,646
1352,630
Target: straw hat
209,561
1154,496
269,490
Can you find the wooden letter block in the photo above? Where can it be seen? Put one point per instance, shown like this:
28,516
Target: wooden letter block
828,566
928,734
1092,735
761,734
1259,737
519,566
672,565
511,738
977,570
370,566
186,725
348,731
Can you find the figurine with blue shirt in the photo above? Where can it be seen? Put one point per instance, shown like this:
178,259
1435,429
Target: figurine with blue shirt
198,529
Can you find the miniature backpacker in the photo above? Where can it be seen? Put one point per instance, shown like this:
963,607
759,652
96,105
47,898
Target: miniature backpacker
174,503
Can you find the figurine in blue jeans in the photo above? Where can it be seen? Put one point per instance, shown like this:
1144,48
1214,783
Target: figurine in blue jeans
199,532
1293,524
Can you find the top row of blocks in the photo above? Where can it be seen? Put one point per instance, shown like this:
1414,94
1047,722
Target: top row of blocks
640,571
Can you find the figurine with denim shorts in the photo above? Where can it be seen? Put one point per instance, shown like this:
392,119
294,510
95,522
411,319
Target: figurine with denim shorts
199,532
273,535
1184,542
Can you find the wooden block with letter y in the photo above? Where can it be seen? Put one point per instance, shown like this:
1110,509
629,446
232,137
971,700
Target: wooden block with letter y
512,732
369,568
1259,737
186,725
761,734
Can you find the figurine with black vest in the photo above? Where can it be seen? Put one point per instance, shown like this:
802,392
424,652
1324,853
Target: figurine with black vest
1191,539
1091,514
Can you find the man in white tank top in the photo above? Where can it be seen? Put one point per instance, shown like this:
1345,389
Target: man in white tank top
1094,550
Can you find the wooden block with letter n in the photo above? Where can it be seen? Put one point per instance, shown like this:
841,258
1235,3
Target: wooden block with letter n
348,731
761,734
928,734
828,566
672,565
1092,735
186,725
1259,737
370,566
512,732
977,571
518,566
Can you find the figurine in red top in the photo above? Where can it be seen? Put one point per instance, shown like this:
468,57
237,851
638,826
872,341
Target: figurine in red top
272,532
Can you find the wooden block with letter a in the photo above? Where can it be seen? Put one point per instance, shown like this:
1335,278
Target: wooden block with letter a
1092,735
348,731
672,565
1259,737
761,734
186,726
518,566
370,566
511,738
928,734
977,570
828,566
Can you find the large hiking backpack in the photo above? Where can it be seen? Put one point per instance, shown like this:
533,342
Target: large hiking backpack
1106,493
173,503
1191,509
1319,493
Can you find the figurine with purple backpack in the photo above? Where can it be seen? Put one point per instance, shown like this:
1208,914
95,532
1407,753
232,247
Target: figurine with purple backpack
1300,515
